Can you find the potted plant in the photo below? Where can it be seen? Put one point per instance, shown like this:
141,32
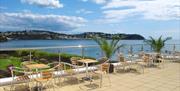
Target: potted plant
157,45
109,47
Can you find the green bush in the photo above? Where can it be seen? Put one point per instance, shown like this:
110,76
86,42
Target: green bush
40,54
4,56
20,53
4,63
37,54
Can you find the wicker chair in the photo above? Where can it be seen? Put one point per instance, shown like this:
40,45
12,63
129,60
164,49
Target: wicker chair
45,80
75,62
57,67
102,60
123,63
101,72
146,61
20,80
71,72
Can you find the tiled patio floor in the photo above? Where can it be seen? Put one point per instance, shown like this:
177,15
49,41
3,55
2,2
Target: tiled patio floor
154,79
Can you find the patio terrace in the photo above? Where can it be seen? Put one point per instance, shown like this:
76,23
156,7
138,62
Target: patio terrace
154,79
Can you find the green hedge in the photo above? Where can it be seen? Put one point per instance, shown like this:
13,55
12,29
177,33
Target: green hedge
47,55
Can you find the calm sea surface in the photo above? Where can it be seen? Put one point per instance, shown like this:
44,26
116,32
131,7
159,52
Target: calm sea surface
93,52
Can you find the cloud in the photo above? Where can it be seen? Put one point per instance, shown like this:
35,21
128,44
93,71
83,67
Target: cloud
174,33
117,15
99,1
44,3
96,1
25,11
2,7
147,9
84,11
21,21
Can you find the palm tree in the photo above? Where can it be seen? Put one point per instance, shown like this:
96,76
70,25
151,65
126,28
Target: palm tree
108,47
157,44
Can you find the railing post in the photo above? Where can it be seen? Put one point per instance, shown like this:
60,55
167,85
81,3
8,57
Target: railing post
102,53
151,49
59,58
131,50
82,52
142,47
174,48
119,50
30,55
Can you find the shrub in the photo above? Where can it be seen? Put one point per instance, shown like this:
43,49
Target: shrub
37,55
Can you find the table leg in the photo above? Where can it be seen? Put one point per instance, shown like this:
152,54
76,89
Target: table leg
86,69
37,73
87,75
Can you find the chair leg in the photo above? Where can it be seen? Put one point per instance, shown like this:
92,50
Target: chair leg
52,82
59,80
28,84
124,69
37,84
40,87
109,79
101,78
78,80
143,69
163,64
115,70
11,88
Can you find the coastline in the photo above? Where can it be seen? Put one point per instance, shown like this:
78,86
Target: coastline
47,35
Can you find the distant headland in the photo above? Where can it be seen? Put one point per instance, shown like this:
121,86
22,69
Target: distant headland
48,35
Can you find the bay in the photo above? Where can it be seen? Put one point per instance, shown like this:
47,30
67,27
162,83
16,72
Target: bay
90,51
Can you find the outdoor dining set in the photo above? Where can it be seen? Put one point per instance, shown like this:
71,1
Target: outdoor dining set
38,76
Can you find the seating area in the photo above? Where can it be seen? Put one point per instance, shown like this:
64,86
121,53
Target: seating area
81,76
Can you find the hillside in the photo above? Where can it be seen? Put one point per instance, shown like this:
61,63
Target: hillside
47,35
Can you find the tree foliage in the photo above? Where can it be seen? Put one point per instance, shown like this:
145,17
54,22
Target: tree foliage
109,47
157,44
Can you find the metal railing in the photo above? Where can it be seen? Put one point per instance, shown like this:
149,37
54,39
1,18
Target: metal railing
95,51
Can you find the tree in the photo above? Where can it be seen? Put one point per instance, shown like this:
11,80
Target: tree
108,47
157,44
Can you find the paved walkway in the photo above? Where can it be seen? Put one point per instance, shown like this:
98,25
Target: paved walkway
154,79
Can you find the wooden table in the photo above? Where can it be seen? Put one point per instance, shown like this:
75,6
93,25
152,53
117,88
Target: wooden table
86,62
36,66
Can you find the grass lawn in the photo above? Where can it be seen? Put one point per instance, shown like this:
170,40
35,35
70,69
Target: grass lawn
9,61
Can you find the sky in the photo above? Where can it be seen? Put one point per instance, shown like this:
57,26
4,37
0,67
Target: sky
146,17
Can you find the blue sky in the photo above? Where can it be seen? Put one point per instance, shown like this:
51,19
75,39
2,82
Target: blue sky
145,17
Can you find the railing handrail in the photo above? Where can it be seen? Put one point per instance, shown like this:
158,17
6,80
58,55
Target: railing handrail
148,44
52,47
61,47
